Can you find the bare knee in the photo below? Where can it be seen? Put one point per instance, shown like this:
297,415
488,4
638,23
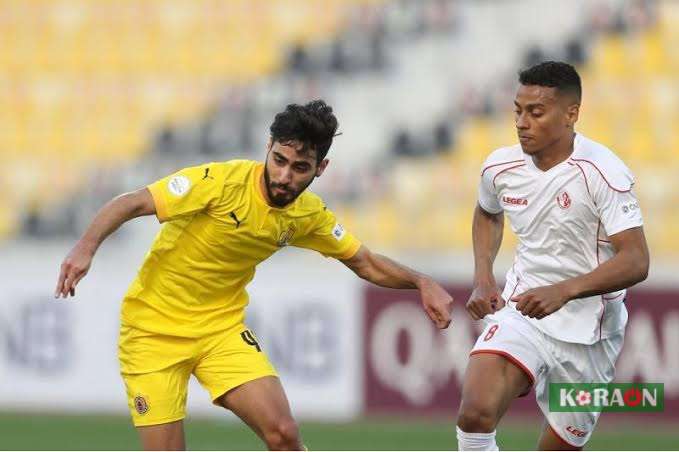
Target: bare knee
283,435
476,419
491,383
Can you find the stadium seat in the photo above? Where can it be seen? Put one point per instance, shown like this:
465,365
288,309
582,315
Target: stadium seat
86,82
629,104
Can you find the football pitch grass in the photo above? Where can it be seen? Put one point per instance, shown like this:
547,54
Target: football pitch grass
96,432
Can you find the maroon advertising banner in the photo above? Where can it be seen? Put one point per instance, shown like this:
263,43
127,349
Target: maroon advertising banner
413,368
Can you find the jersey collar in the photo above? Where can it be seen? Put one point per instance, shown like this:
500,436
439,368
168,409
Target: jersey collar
530,164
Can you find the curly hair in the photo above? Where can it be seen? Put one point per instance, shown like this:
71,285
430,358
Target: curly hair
314,125
553,74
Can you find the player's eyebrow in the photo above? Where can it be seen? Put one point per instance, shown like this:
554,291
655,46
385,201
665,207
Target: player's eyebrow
294,162
279,155
306,154
301,164
529,106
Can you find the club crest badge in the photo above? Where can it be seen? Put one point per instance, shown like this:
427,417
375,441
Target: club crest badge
286,236
141,405
564,200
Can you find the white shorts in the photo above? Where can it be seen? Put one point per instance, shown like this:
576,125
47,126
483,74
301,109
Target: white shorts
547,360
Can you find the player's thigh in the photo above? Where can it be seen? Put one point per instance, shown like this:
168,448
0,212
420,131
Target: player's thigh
491,382
156,372
262,404
239,376
168,436
502,365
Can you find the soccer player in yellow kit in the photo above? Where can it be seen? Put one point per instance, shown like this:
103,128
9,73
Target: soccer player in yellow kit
184,312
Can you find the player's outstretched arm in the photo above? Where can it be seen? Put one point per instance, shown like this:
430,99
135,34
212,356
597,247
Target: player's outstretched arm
486,238
108,219
385,272
628,267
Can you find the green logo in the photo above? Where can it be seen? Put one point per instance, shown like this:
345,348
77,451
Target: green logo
610,397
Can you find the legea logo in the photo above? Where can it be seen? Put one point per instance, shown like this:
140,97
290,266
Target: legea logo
515,201
612,397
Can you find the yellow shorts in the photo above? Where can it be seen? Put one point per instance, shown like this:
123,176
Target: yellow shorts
156,369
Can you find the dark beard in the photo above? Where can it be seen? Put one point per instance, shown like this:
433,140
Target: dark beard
277,201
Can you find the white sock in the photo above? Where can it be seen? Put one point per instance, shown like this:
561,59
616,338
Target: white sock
475,441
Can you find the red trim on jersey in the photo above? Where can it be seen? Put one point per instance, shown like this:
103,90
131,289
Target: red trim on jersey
601,321
509,358
613,298
598,229
598,262
562,439
602,175
498,164
518,280
583,175
507,169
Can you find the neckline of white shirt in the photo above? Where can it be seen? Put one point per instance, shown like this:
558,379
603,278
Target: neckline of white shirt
531,164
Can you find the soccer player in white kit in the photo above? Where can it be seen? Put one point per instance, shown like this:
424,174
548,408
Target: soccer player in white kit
561,316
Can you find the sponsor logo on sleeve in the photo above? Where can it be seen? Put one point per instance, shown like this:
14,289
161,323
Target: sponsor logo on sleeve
179,185
338,232
630,207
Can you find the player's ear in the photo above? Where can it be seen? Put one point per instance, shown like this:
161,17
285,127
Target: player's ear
572,114
269,144
321,167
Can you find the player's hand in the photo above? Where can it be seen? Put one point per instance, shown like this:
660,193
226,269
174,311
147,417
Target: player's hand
485,299
437,303
73,269
541,301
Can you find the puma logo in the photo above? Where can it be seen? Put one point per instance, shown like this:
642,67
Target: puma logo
207,176
235,218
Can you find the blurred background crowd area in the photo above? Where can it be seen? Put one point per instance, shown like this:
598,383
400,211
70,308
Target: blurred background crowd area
101,97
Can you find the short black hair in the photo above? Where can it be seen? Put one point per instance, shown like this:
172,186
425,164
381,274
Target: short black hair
554,74
314,125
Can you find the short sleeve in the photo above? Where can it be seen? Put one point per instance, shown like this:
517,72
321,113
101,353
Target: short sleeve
329,238
618,210
186,192
487,195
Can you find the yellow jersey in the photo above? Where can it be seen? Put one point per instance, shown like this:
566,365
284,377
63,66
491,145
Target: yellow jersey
218,227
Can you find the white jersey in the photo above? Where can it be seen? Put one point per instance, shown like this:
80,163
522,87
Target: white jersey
563,219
